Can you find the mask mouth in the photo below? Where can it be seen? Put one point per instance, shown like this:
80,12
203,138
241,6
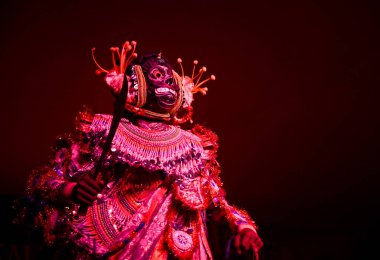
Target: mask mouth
166,97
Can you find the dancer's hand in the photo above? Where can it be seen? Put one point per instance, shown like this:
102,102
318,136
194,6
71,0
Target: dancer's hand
247,239
86,190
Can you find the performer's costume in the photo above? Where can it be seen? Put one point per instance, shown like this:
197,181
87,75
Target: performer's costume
159,179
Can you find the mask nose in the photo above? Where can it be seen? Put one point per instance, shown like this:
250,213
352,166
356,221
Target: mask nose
169,81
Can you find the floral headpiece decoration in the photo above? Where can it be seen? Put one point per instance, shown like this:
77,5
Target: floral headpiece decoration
125,62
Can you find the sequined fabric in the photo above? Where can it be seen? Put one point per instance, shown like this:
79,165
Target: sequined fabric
160,180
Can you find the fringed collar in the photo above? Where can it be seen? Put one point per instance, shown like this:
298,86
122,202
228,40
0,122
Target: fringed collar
154,146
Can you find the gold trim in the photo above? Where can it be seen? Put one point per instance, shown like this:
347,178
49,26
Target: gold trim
178,105
141,95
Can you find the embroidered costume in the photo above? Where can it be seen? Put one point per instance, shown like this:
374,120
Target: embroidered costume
159,179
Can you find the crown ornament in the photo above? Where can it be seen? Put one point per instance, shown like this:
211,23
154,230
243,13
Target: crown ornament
193,84
120,60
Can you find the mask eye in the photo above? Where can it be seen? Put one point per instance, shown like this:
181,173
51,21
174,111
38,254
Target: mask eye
157,74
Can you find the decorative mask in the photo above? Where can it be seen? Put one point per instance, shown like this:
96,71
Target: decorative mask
155,90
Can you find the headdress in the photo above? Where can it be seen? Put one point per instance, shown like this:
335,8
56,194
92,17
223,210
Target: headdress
127,61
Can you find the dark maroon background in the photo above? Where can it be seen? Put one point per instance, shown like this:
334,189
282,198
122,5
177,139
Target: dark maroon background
295,103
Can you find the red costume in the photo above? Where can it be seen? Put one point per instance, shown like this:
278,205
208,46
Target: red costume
156,181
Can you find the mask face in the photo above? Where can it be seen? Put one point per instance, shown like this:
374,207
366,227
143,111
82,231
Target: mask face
162,90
